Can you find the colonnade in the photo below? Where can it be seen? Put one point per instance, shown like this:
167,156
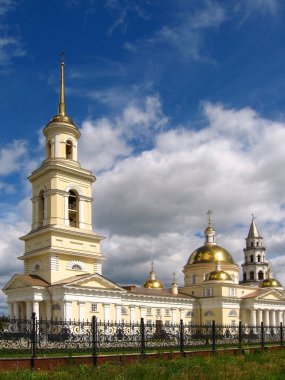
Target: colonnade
269,317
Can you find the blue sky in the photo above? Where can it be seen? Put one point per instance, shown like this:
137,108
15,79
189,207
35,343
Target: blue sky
181,108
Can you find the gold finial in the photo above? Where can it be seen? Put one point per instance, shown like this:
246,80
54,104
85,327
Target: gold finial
61,106
209,213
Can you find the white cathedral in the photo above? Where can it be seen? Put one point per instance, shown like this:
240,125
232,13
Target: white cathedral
63,278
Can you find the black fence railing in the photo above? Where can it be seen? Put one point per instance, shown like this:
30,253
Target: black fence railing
96,337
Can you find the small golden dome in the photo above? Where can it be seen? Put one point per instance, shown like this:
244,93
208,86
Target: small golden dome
210,253
153,284
270,283
219,275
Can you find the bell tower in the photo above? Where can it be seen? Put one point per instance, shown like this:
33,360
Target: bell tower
61,241
255,268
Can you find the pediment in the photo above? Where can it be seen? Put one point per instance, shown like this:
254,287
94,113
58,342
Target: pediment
21,280
95,281
271,295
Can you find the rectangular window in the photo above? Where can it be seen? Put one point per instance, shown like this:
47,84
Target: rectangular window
208,292
158,312
148,323
234,323
94,308
148,311
166,323
167,312
232,292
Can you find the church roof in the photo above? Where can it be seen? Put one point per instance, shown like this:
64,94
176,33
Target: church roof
154,292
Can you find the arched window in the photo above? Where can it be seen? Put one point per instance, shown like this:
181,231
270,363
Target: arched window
41,207
244,277
258,258
251,258
194,279
260,275
76,267
233,313
73,214
48,149
68,149
209,313
251,275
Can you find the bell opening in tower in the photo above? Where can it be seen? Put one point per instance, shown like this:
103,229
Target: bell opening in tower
73,209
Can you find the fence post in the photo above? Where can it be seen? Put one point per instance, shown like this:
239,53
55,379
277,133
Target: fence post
94,339
142,331
181,336
214,336
33,340
262,336
281,334
239,336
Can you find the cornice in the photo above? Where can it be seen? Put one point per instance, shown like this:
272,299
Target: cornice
61,165
68,232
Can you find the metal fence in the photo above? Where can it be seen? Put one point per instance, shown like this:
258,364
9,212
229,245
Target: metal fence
95,337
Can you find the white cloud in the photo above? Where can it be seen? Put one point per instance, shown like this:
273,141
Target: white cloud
232,166
101,145
185,34
11,157
108,140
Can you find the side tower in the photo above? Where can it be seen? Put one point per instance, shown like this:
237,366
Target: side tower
255,268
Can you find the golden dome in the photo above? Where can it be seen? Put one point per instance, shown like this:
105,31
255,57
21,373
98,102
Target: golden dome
153,284
210,253
219,275
270,283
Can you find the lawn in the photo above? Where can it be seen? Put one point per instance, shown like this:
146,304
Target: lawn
266,365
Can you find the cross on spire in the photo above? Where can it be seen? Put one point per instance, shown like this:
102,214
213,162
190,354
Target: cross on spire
209,213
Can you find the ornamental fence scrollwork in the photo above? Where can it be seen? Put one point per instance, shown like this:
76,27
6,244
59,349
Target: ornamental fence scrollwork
98,337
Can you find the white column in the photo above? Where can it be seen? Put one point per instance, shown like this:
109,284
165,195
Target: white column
56,145
280,317
266,318
81,213
118,313
29,309
258,317
11,311
16,310
48,310
133,313
36,309
174,316
67,310
142,312
74,151
273,318
106,312
82,311
66,218
253,317
45,210
243,316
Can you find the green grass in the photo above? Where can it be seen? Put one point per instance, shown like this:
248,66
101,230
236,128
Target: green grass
266,365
